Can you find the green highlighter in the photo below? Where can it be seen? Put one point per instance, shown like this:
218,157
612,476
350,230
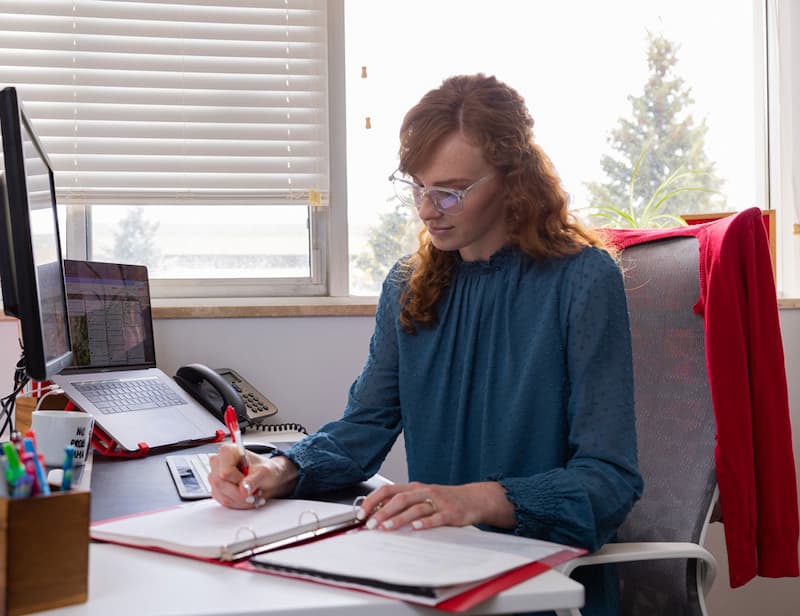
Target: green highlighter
14,467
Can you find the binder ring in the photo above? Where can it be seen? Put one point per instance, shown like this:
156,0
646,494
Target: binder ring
227,549
316,518
245,529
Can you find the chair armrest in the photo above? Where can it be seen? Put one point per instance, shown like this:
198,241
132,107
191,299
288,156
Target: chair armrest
631,552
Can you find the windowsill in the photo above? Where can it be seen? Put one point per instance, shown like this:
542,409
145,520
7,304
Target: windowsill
350,306
289,307
248,307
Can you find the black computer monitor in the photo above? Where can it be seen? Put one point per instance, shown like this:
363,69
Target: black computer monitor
31,267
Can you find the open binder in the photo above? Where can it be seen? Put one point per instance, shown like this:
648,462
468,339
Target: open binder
449,568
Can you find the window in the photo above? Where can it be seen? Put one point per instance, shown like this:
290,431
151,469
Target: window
606,82
226,144
192,137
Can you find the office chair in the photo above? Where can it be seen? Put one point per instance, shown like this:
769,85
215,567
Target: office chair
663,568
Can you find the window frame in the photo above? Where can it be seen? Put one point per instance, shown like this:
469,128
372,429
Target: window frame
781,104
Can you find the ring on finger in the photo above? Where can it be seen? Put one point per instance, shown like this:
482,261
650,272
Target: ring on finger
430,502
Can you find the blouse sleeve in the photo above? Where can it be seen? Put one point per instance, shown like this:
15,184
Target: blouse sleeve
584,502
349,450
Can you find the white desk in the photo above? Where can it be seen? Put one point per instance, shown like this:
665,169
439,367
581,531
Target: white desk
128,581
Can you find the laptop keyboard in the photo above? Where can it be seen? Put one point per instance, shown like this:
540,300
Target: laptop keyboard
121,396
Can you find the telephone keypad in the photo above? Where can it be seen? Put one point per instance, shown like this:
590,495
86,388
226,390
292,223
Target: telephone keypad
256,403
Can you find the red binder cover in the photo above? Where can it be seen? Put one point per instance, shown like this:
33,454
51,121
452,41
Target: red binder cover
480,593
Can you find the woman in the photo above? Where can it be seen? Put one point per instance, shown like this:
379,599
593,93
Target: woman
501,350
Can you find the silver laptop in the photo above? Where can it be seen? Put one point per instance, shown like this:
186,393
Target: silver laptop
113,375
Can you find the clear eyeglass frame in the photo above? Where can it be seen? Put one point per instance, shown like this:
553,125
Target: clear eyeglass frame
449,201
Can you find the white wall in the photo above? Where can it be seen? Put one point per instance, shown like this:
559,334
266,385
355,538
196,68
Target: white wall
305,365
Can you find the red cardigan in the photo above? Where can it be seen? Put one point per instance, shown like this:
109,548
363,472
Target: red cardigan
747,377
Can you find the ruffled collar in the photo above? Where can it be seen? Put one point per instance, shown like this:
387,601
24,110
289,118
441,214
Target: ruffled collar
494,263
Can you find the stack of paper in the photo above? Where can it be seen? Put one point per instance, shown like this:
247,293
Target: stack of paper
426,567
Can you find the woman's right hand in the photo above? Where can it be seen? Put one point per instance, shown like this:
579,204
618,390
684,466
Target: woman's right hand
267,478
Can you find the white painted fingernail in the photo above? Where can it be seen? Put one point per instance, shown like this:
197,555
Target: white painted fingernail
261,502
388,524
360,514
371,523
417,524
250,499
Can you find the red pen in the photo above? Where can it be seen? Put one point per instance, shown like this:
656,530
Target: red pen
236,437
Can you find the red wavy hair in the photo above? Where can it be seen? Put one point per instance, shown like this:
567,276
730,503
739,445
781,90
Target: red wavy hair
494,117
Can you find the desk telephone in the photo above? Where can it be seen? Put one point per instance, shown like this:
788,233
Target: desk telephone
216,389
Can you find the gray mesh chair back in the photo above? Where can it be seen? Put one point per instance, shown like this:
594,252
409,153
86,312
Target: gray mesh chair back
674,423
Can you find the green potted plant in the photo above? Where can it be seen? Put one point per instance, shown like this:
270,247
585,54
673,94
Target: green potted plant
648,214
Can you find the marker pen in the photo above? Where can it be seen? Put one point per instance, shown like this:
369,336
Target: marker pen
236,436
23,487
30,471
41,477
14,468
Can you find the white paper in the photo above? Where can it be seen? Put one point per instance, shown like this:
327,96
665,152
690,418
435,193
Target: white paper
436,557
205,528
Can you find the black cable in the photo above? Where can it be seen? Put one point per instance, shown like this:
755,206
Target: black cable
7,402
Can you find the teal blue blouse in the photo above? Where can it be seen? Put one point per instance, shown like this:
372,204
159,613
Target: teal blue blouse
526,379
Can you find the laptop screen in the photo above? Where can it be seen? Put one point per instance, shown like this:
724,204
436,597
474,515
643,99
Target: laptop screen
110,316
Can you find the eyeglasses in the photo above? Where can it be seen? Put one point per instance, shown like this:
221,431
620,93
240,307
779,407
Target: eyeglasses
445,200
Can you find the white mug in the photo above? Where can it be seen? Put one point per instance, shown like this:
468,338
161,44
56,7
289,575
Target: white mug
55,430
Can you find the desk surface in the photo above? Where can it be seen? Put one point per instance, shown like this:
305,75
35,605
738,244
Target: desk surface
126,580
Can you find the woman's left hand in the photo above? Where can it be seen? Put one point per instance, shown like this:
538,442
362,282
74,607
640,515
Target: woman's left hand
427,505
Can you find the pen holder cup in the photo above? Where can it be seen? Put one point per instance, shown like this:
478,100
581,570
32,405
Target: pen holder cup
44,561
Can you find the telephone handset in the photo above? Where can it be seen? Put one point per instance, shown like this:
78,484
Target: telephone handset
212,391
216,389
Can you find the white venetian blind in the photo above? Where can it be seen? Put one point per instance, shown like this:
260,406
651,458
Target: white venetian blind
185,101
